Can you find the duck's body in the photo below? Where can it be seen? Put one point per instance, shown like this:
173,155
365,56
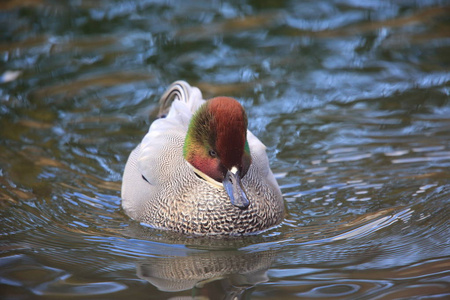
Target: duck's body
168,185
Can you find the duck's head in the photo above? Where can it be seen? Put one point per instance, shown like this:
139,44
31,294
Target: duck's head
216,146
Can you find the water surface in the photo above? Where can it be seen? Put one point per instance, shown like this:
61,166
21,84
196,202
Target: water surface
351,99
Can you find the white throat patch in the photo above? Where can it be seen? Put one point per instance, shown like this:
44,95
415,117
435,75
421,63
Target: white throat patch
208,179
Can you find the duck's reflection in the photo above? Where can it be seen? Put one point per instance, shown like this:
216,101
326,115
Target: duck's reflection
209,273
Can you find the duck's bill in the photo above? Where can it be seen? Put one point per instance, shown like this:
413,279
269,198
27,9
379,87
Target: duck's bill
235,191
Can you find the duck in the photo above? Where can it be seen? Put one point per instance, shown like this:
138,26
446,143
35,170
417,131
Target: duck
200,171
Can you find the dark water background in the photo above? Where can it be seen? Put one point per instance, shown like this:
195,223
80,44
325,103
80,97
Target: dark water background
350,97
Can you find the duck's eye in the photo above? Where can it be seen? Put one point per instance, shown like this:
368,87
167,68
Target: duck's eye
212,153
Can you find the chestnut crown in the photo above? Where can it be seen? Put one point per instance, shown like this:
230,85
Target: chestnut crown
216,141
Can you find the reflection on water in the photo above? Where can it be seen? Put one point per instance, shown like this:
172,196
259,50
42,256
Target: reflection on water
234,268
352,100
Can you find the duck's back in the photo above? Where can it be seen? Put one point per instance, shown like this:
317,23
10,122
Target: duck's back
161,189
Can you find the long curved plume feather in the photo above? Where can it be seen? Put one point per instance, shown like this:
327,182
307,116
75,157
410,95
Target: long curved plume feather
177,90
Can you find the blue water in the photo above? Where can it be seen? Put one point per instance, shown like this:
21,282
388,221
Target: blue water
351,99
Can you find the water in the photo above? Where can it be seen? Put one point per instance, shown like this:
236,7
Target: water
351,99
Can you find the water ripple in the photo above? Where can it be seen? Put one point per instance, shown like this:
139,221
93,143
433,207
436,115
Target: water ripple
351,99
